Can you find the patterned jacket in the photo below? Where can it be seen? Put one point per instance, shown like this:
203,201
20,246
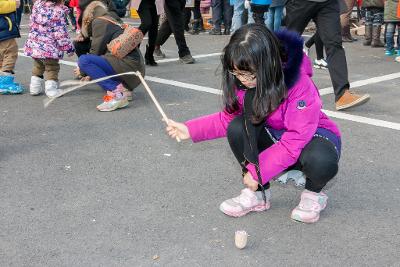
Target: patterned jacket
48,37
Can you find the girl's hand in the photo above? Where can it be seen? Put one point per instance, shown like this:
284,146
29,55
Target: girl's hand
176,129
79,38
249,182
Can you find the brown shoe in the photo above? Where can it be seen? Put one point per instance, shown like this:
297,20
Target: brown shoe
348,100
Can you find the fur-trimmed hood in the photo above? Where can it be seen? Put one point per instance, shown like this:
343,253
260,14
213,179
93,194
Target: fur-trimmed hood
295,62
94,10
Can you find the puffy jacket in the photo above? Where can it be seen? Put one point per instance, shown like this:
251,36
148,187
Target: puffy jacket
48,36
8,20
7,6
297,119
390,13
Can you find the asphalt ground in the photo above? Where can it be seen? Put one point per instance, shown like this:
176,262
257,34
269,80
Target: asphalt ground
84,188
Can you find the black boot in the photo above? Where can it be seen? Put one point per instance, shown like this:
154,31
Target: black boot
376,36
148,56
368,35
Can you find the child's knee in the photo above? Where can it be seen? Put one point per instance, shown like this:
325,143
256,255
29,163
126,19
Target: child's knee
235,128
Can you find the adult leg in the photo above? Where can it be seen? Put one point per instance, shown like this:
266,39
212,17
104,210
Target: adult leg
345,20
328,26
238,9
390,30
217,6
278,17
149,23
299,14
270,18
174,11
164,32
368,27
98,67
319,46
228,11
376,28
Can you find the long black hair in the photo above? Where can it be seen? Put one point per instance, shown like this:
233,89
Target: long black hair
256,49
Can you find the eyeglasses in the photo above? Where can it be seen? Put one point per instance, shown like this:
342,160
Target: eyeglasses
245,75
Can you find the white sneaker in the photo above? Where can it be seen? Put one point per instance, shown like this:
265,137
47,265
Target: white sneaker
320,64
51,88
36,86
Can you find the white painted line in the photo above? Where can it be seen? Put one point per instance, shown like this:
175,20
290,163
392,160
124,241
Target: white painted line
356,118
378,79
197,56
184,85
335,114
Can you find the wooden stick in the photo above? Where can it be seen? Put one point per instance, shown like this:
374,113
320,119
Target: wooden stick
154,100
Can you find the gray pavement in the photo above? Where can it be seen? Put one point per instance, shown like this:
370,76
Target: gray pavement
84,188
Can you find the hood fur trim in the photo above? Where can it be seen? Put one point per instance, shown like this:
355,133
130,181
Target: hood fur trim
292,43
89,15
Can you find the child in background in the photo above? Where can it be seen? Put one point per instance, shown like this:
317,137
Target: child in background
74,5
391,20
47,41
272,119
8,46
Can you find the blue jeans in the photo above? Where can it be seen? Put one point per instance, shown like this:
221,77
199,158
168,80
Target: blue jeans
98,67
390,30
274,18
238,9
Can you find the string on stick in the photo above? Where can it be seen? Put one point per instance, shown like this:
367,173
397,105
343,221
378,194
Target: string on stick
79,84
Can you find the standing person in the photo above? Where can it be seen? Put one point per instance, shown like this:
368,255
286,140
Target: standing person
9,31
71,15
272,119
274,14
47,42
237,18
325,13
373,22
221,12
98,25
20,10
197,18
392,21
74,5
149,11
345,20
175,10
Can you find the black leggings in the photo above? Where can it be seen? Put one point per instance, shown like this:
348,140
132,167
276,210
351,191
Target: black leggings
149,21
318,160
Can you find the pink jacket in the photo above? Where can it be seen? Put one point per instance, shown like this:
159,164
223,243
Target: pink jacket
159,5
48,36
299,116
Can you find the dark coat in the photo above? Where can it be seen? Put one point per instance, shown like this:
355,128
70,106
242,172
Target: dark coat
101,33
8,26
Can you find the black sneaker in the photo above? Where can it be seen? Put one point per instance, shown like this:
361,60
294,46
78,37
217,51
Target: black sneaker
215,31
188,59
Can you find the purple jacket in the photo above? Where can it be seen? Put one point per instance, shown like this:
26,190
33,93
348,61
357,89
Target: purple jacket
298,116
48,36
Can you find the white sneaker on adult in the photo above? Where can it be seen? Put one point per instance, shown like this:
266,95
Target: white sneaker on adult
36,85
51,88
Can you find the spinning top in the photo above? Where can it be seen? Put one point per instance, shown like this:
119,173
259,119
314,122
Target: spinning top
241,239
